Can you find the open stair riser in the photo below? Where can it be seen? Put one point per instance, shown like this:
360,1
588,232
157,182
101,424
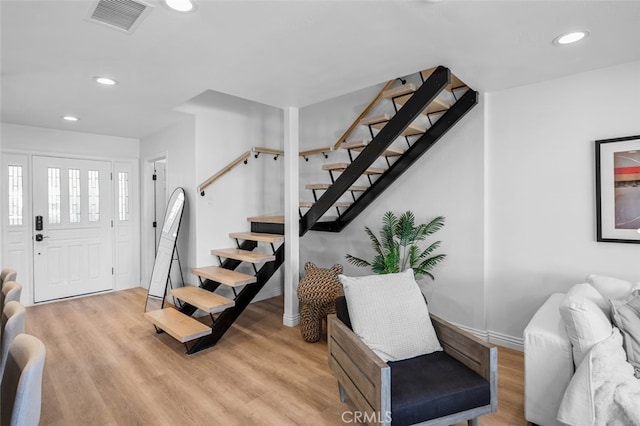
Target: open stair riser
210,285
204,300
425,94
223,276
243,255
359,146
379,122
260,237
181,327
401,94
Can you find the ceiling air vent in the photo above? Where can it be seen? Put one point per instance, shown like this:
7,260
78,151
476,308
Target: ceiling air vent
124,15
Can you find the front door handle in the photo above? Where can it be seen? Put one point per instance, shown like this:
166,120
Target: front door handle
40,237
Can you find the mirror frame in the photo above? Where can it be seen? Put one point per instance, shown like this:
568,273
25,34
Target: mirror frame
161,273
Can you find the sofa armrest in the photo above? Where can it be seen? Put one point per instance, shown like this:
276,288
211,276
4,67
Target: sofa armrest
362,374
548,363
476,354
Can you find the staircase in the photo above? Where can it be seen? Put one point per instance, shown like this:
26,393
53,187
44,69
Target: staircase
421,118
410,102
262,249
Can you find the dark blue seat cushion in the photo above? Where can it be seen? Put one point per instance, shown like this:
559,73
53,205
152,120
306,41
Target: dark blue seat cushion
434,385
342,311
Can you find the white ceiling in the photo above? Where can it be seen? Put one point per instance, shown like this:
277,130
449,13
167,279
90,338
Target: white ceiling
284,53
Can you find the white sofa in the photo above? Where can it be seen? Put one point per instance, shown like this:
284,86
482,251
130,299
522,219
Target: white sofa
548,351
548,362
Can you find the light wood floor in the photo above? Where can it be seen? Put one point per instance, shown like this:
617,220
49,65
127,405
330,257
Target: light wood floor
105,365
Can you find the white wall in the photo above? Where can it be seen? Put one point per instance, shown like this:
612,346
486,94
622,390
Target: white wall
515,179
177,144
24,141
41,140
448,180
541,189
225,127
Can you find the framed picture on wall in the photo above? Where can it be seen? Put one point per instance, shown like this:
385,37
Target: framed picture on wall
618,189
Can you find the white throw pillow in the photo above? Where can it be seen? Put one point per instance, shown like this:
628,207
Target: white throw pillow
585,321
612,288
626,316
389,314
589,292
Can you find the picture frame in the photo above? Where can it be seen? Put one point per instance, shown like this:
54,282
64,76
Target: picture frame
617,163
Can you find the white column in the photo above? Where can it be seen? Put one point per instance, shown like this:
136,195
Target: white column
291,316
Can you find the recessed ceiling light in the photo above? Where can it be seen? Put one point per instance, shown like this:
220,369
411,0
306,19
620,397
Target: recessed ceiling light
70,118
570,38
106,81
180,5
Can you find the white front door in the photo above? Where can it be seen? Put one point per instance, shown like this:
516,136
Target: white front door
73,252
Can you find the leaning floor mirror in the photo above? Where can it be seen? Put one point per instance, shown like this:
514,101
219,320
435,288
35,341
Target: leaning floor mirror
167,252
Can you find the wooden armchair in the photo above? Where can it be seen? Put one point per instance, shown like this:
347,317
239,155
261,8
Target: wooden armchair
441,388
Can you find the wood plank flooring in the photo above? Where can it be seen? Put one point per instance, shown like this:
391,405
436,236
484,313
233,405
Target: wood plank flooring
106,365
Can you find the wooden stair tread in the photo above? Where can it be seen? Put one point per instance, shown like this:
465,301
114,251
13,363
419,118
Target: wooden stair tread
342,166
178,325
374,119
437,105
401,95
224,276
405,89
456,83
258,236
244,255
309,204
379,121
203,299
325,186
391,151
266,219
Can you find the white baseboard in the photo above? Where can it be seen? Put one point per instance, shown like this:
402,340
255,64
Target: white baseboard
516,343
291,321
480,334
268,294
502,339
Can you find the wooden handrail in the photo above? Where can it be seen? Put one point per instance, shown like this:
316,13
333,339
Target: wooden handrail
365,112
223,171
323,151
259,150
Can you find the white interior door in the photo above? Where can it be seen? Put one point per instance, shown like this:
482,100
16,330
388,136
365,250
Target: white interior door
73,252
160,197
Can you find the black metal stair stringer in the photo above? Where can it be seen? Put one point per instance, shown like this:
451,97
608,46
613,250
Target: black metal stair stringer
211,285
425,94
419,147
227,317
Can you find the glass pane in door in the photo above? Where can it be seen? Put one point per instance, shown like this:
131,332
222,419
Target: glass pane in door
54,195
74,196
94,195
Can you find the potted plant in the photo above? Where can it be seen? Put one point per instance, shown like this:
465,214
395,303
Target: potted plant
397,248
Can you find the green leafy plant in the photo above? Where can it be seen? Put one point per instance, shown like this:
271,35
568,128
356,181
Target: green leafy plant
397,248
